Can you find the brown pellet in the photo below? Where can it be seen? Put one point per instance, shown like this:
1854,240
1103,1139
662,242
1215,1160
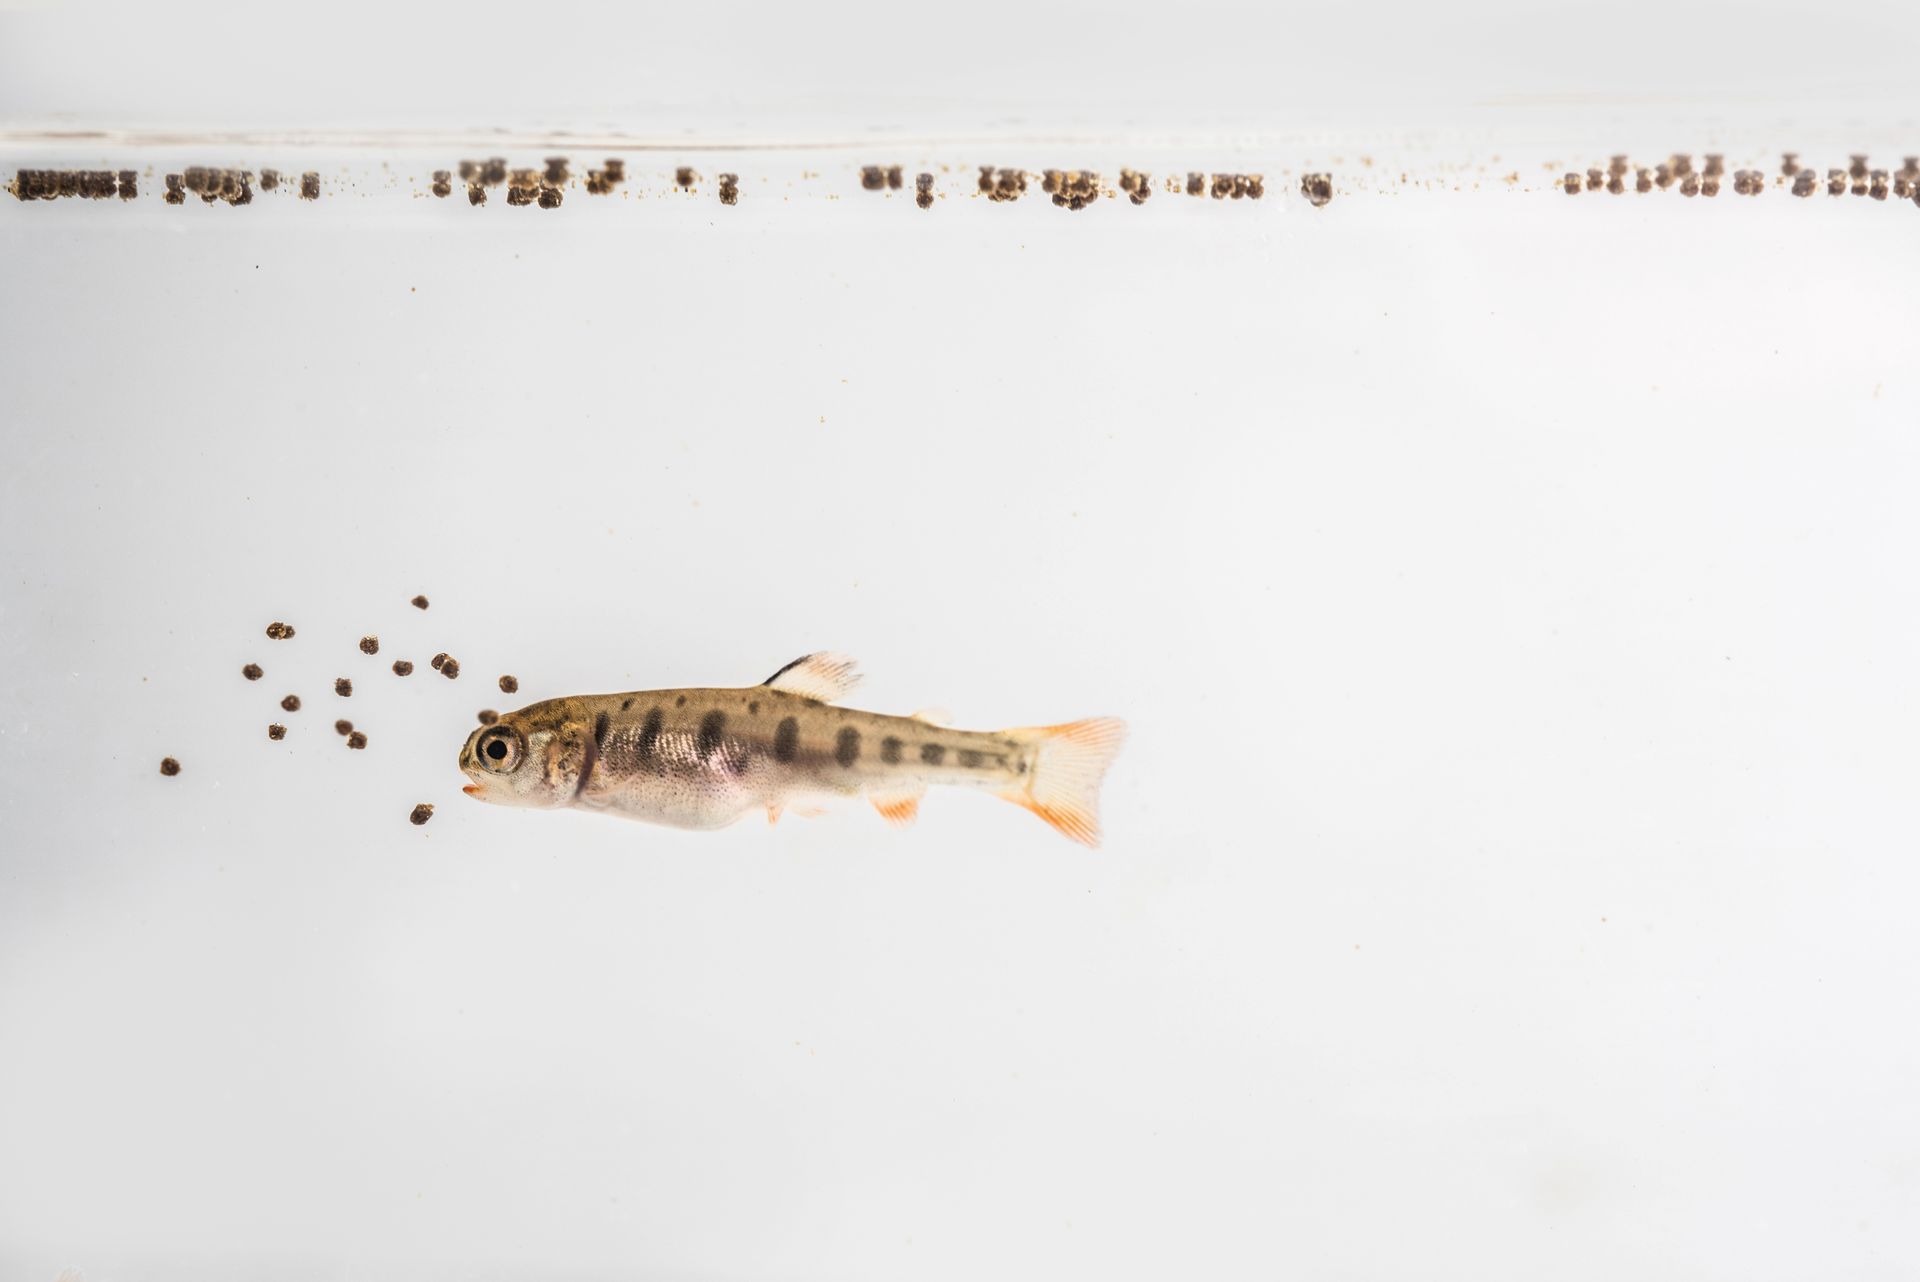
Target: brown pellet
1858,167
1595,180
476,194
1790,164
1804,182
343,727
169,767
129,184
421,813
923,190
1716,166
895,179
616,169
309,186
450,669
873,178
488,716
1317,188
1571,184
1690,185
276,731
510,685
279,631
550,197
343,687
442,184
685,177
369,645
556,169
402,667
419,603
291,703
439,660
252,672
356,740
1642,180
1197,184
729,189
1836,182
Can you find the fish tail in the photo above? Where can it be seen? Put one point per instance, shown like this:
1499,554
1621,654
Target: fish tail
1069,761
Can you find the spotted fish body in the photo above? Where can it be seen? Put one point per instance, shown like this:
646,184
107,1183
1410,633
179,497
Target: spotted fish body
702,758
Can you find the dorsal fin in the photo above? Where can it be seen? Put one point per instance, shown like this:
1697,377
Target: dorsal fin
822,676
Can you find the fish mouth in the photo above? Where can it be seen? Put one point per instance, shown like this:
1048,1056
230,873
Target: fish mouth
474,790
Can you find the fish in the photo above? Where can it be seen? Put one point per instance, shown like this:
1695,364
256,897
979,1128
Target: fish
702,758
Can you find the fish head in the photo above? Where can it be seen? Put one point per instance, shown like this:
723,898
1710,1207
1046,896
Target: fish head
517,762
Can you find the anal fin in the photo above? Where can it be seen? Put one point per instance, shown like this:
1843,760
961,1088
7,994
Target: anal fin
899,804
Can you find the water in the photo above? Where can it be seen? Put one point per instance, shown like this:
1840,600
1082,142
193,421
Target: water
1510,596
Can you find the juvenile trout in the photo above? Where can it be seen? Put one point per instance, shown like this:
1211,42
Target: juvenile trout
702,758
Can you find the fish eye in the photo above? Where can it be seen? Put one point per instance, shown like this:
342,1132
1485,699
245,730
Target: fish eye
498,749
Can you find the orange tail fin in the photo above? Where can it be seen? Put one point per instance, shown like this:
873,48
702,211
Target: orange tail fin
1069,762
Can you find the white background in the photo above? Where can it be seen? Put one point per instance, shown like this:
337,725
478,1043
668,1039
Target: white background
1511,872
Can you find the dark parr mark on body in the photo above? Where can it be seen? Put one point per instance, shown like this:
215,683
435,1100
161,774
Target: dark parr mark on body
649,735
713,728
786,740
932,753
846,746
625,704
890,750
970,759
591,757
